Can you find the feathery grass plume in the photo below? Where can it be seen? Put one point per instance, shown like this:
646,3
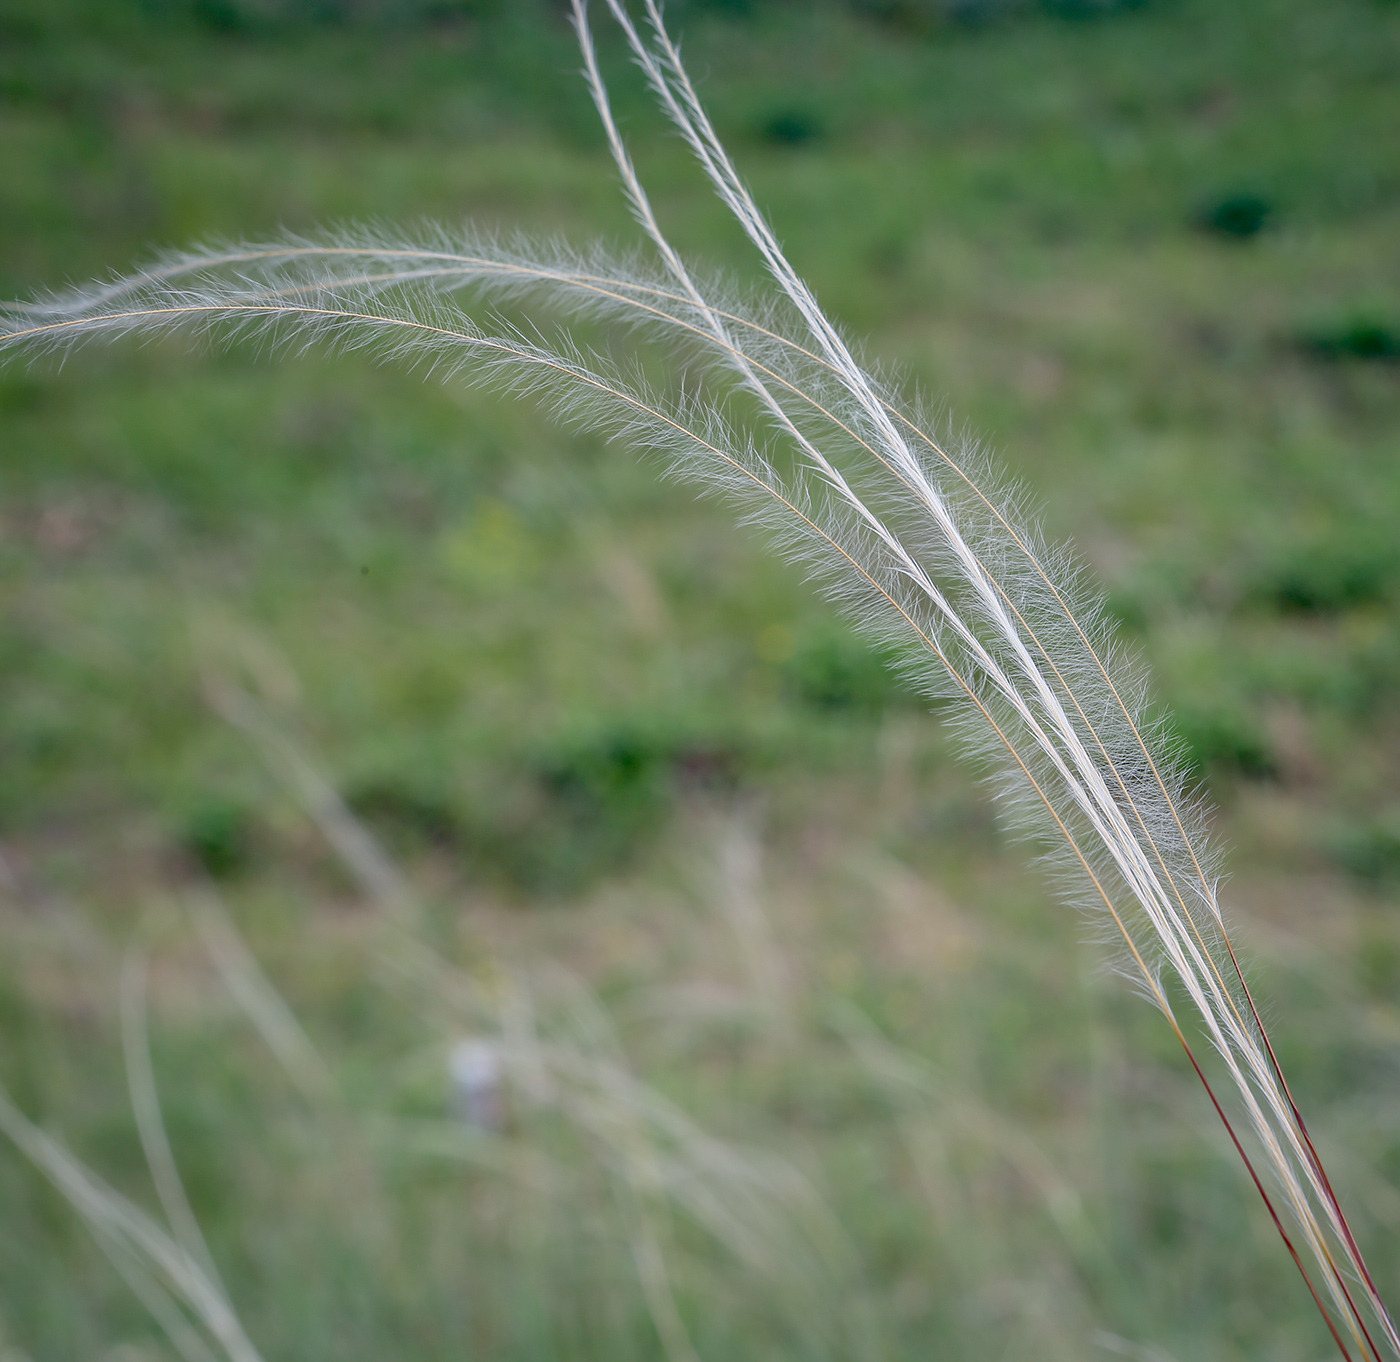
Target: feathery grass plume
917,539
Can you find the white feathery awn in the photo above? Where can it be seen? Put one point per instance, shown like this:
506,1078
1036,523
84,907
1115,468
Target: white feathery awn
915,538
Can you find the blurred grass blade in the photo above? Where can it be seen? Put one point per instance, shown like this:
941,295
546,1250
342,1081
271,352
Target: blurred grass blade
245,980
118,1222
145,1103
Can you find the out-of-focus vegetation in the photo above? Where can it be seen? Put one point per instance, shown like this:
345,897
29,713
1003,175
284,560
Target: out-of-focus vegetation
633,770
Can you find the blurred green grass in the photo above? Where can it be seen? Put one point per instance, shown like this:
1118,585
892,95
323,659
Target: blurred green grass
1146,250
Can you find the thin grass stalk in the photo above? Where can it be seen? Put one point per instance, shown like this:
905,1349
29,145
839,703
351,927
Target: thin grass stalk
150,1126
160,1269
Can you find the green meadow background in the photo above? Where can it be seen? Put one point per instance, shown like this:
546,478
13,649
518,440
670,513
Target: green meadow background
821,1067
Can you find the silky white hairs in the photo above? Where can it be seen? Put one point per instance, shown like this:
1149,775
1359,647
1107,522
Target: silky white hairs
916,538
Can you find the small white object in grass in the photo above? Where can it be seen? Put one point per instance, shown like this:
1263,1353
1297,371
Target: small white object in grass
477,1077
